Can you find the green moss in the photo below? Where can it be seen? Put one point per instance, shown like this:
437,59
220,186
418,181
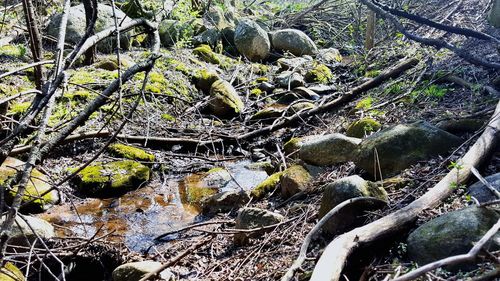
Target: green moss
168,117
260,69
360,128
320,73
10,272
365,103
224,99
130,152
17,109
112,178
204,79
15,51
90,75
267,186
268,167
292,146
195,195
256,92
205,53
372,73
79,95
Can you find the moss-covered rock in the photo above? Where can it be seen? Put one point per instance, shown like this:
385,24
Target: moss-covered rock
249,218
294,180
363,127
13,51
205,53
267,186
204,79
328,149
130,152
344,189
224,100
37,185
224,202
320,73
330,55
400,146
111,63
452,234
10,272
174,31
110,179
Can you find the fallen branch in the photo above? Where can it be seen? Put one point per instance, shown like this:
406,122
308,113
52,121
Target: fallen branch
159,237
176,259
24,67
370,84
331,263
307,240
458,259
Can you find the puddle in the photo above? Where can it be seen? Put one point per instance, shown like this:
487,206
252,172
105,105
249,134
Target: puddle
138,216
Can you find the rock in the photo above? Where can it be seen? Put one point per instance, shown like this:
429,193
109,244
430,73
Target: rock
319,74
328,149
224,202
290,80
10,272
266,87
198,187
494,14
363,127
306,93
76,26
293,41
294,63
130,152
215,17
457,126
28,230
267,186
224,100
344,189
251,40
38,184
111,64
205,53
322,89
401,146
208,37
452,234
249,218
204,79
134,271
294,180
227,37
110,179
481,192
329,56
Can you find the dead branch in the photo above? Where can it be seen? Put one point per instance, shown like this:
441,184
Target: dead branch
307,240
24,67
35,40
331,263
470,256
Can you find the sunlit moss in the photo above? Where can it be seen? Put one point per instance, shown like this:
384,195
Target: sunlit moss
130,152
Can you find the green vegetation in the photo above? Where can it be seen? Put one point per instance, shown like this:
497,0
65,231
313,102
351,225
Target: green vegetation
15,51
130,152
320,73
365,103
267,186
205,53
360,128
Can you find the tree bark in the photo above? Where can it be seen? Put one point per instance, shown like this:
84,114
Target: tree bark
35,40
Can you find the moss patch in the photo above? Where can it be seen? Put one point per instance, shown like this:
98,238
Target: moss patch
18,109
205,53
360,128
204,79
113,178
130,152
320,73
14,51
267,186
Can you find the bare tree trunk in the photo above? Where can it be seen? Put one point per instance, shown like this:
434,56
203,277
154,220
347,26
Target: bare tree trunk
35,40
370,30
90,7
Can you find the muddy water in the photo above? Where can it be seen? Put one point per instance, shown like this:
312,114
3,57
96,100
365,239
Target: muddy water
138,216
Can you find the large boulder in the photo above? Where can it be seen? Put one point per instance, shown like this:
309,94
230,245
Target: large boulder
294,180
249,218
27,229
452,234
224,202
111,179
134,271
37,185
328,149
224,100
76,26
481,192
494,14
400,146
344,189
293,41
251,40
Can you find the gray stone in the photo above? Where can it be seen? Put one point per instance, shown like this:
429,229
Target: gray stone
209,37
26,231
401,146
251,40
76,26
494,14
293,41
344,189
294,180
224,100
224,202
249,218
482,193
294,63
452,234
134,271
289,79
328,149
329,56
